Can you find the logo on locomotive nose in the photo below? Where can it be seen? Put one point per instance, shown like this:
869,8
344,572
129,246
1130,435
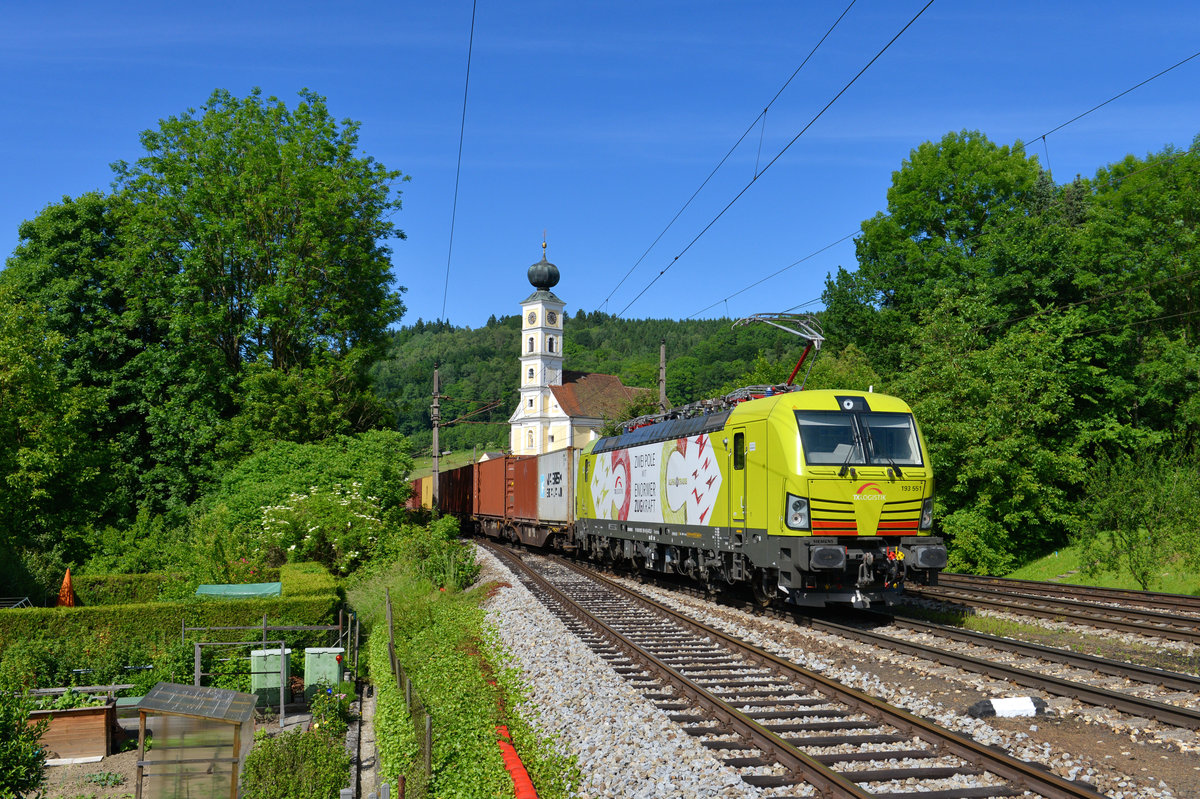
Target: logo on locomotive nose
870,492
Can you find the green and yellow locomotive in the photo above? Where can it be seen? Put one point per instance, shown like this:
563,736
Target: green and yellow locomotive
816,497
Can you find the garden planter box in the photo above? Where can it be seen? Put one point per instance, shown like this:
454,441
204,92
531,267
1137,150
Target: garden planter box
77,733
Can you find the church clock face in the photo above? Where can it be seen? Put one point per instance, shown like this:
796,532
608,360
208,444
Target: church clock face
532,317
551,318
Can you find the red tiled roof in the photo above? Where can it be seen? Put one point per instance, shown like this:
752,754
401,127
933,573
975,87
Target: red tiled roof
594,396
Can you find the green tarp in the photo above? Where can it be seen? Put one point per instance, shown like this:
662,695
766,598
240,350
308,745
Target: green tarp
241,590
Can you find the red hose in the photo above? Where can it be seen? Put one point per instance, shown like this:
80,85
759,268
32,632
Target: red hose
522,785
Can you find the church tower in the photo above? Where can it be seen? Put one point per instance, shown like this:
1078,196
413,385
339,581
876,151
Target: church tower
541,365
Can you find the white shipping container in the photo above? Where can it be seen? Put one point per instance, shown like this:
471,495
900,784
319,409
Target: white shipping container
556,476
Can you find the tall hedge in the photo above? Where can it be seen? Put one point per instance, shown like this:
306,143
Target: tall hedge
310,597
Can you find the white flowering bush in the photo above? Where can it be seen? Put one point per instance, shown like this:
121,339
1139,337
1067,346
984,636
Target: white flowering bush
336,526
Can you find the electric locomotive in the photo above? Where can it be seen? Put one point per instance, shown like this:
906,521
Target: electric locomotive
815,497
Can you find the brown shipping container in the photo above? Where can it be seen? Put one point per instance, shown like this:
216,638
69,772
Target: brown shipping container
414,499
454,491
490,476
521,500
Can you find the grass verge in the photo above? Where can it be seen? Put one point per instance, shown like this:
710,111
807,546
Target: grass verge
1066,566
443,640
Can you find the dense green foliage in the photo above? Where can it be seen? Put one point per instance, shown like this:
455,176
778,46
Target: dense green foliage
22,759
1139,525
232,291
42,646
297,764
1036,329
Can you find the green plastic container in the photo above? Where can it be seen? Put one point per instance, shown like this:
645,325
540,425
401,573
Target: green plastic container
264,681
321,666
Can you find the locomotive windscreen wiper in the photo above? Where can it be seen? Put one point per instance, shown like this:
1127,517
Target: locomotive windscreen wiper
857,442
875,452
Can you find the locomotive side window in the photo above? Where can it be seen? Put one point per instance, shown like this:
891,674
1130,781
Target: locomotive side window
739,450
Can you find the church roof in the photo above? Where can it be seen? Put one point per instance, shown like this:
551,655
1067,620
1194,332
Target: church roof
594,396
544,296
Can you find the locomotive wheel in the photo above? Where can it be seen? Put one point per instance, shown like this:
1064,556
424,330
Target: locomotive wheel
762,597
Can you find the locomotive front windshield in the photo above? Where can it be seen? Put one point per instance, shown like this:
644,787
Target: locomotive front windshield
871,438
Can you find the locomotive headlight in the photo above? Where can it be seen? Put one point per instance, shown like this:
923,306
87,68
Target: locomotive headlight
927,514
796,515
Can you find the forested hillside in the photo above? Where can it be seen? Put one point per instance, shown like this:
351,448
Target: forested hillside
481,365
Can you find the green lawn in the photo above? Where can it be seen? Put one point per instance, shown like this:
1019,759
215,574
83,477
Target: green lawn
423,465
1065,566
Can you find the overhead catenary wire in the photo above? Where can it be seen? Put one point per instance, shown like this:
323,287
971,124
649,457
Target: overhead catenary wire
458,170
776,273
1112,180
778,155
749,128
1117,96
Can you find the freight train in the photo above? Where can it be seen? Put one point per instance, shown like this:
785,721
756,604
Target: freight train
812,497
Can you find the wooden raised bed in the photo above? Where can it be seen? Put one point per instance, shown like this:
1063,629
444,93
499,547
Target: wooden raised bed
79,732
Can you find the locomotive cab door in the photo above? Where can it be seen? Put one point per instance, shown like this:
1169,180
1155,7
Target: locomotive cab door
737,472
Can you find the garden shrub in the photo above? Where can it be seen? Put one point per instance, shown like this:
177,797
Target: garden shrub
306,579
335,526
22,759
433,551
295,765
330,709
120,589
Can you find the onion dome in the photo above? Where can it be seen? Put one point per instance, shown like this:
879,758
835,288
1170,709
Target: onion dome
543,275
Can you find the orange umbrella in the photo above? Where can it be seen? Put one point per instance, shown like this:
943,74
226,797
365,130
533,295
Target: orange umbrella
66,594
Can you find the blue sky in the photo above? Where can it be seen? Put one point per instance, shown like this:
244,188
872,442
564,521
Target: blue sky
597,120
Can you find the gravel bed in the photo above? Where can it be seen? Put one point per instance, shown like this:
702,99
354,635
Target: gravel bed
797,644
1146,639
624,745
1049,668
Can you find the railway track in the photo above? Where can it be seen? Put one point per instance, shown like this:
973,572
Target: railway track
782,726
1171,626
1148,600
984,660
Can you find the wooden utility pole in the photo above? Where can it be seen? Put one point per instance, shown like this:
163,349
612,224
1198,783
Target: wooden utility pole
436,419
662,375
